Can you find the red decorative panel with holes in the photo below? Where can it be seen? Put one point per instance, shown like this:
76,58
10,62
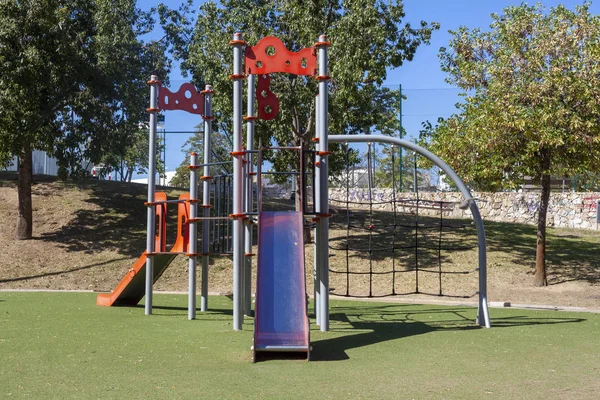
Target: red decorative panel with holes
187,98
268,104
270,55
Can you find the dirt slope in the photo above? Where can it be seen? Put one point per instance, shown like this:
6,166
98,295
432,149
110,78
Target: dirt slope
86,237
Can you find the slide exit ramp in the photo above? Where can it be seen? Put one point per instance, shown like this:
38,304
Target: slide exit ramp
281,320
131,289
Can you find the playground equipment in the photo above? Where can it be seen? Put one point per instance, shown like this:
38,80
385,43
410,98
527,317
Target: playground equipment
152,263
130,290
281,321
468,202
399,251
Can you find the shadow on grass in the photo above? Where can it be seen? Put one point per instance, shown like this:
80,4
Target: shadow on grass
67,271
569,257
335,349
115,221
391,322
264,356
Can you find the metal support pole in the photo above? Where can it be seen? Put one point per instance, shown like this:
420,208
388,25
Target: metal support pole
151,216
238,242
250,119
369,167
323,221
415,175
317,233
164,157
193,237
483,317
401,136
208,116
244,226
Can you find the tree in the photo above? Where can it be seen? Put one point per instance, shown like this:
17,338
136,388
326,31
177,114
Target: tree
359,61
131,156
71,72
532,103
389,164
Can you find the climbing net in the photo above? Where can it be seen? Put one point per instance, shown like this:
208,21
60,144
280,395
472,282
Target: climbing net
386,242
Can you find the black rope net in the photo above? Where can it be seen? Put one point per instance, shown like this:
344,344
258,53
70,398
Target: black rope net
385,241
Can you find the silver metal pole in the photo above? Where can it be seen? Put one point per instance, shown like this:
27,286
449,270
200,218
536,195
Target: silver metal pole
193,236
164,158
244,226
323,222
150,220
238,255
415,175
250,120
208,116
483,318
483,314
317,235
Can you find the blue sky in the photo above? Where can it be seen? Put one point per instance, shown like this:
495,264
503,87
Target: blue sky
428,95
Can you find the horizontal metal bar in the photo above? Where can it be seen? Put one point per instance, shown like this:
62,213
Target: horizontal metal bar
215,163
280,173
165,131
206,219
282,148
169,202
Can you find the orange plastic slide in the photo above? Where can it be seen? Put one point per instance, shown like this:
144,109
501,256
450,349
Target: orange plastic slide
131,289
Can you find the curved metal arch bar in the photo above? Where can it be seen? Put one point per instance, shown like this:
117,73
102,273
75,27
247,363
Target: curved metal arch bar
483,318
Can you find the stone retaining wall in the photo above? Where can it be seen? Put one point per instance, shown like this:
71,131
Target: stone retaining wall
572,210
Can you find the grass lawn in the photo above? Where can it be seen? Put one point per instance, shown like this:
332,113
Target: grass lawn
61,346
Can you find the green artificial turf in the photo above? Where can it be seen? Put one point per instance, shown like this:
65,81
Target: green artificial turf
62,346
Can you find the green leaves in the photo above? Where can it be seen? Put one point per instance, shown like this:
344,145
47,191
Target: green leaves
367,38
72,77
530,83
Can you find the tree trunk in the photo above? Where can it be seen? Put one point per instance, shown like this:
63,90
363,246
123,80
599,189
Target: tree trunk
540,256
129,174
25,216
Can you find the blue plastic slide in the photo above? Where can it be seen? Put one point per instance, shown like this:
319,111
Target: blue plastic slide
281,322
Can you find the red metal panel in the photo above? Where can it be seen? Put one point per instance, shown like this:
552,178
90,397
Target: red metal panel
268,104
270,55
187,98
